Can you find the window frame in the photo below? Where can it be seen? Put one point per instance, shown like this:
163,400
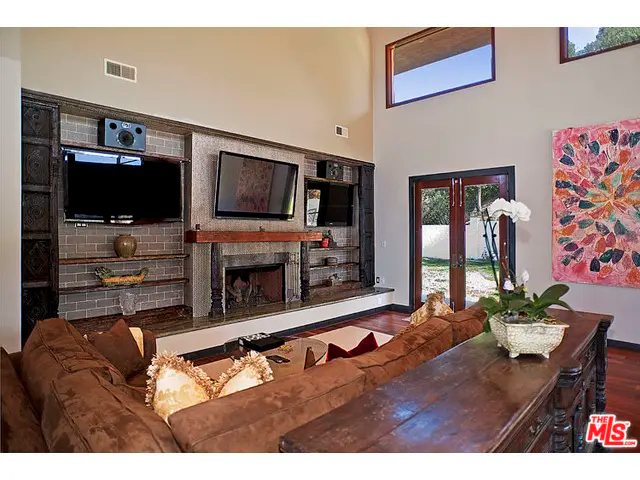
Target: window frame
390,47
564,43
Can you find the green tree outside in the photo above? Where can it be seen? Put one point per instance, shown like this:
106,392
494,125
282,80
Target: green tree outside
607,37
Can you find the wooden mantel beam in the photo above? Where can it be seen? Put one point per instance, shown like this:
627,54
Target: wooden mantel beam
202,236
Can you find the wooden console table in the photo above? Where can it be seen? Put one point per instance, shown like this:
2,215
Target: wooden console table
474,398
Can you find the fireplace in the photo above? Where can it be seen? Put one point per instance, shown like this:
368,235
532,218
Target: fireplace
241,281
253,286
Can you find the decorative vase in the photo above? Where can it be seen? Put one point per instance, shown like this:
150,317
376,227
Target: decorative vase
540,338
125,246
128,303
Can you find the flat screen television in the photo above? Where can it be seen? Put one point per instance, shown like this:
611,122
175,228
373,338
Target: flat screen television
329,204
120,188
252,187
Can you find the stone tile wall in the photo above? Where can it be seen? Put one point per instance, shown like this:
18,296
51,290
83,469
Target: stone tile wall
96,240
85,130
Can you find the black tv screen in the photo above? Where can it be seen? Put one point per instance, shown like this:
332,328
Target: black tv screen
120,188
329,204
253,187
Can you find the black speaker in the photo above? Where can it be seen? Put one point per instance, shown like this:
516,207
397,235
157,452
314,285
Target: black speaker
330,170
121,134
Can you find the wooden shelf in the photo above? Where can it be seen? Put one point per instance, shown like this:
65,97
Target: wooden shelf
339,265
100,148
327,180
320,290
100,288
201,236
346,247
138,258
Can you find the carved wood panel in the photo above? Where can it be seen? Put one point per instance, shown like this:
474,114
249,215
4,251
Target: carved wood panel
36,164
37,121
37,304
36,211
36,260
40,166
367,237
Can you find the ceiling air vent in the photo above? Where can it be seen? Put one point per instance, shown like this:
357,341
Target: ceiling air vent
342,131
120,70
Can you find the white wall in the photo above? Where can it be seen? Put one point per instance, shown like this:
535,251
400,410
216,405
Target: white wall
10,188
506,122
290,85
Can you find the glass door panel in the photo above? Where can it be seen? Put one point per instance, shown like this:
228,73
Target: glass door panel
479,278
432,239
436,242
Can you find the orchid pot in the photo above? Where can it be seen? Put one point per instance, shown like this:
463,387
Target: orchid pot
519,323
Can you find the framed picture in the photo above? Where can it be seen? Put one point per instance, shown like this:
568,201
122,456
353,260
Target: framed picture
596,204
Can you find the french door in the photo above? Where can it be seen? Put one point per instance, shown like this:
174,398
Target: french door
449,252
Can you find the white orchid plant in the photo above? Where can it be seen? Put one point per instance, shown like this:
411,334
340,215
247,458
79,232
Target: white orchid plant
510,299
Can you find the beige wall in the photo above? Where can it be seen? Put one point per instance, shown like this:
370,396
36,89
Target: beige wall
507,122
286,85
10,189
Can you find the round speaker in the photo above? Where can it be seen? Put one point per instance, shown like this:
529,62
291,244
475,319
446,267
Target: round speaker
126,138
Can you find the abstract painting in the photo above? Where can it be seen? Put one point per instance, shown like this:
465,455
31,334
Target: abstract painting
596,204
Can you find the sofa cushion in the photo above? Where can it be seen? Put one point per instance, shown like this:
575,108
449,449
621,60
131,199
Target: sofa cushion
416,346
86,413
20,427
55,348
150,347
253,420
466,324
120,347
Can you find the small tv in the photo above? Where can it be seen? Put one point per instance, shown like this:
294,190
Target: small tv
253,187
120,188
329,204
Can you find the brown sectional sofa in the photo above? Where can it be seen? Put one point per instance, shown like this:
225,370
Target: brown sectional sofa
61,395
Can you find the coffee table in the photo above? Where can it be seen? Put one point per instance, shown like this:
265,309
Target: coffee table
301,352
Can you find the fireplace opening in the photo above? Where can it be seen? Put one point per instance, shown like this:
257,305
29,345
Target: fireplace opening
252,286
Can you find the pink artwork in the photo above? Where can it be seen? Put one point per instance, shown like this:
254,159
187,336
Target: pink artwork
596,204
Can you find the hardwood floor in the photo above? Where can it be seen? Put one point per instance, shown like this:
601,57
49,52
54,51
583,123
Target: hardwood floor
623,373
623,391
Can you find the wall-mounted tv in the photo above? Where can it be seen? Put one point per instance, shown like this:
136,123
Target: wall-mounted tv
252,187
120,188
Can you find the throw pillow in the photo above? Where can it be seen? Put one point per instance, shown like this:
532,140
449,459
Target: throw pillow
250,371
366,345
119,347
175,383
435,305
136,333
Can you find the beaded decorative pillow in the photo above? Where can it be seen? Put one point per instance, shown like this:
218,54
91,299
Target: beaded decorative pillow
250,371
435,305
175,383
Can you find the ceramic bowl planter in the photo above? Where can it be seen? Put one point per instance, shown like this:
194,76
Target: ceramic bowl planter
522,337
